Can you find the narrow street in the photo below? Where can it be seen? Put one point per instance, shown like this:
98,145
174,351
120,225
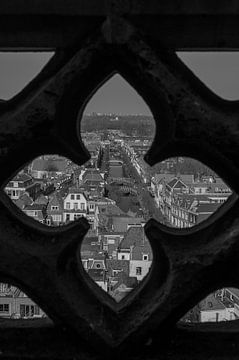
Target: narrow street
147,202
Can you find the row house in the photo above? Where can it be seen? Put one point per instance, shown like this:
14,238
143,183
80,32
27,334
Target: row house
75,205
18,185
70,207
175,186
55,209
158,182
94,261
186,203
190,211
36,211
214,308
15,304
136,249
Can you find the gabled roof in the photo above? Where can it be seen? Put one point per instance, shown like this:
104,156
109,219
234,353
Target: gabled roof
176,183
129,282
56,199
135,236
22,177
75,191
24,200
211,303
42,199
92,175
36,207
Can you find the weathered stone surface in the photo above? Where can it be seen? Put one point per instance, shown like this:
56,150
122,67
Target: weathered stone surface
94,39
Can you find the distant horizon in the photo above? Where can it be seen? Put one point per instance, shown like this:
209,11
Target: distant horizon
115,114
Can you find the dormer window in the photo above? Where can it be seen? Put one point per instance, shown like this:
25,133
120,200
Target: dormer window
54,207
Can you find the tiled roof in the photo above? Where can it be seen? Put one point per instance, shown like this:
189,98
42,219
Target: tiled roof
97,274
211,303
42,199
176,183
129,282
234,291
163,177
135,236
35,207
121,223
25,199
207,208
187,178
22,177
92,175
74,190
110,209
201,184
113,264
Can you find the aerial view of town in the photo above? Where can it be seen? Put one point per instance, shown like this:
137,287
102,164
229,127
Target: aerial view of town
117,192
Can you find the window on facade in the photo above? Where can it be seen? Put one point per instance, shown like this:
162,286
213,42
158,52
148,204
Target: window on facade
4,308
15,304
78,197
145,256
75,206
82,206
138,270
72,197
56,217
68,205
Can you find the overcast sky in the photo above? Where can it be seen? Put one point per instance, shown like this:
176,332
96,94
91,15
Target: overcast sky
220,71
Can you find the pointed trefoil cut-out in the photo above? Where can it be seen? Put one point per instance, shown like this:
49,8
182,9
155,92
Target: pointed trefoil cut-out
217,70
18,69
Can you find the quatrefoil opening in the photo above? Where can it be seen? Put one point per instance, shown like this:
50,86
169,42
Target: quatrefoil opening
19,69
217,70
